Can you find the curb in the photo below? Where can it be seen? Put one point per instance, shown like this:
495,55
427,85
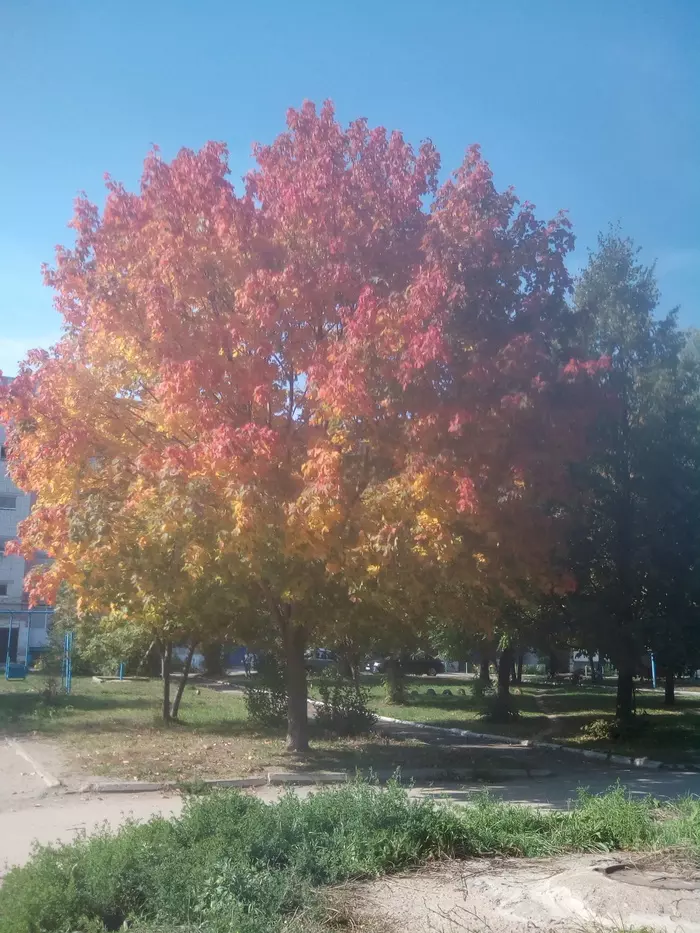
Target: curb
449,730
48,779
316,778
649,764
630,762
148,787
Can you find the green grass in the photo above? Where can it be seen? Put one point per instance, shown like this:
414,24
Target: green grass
671,734
113,728
458,710
232,863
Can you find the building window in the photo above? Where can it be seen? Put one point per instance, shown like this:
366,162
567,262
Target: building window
3,452
8,502
3,589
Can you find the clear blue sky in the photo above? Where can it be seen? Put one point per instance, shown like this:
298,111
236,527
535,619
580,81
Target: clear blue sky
588,105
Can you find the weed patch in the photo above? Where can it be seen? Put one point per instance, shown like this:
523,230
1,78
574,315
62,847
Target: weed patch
231,862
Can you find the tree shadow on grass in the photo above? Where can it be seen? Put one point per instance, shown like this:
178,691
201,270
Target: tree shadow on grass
372,753
32,712
525,704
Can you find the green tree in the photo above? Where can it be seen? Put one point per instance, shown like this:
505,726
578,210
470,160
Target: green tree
621,510
670,533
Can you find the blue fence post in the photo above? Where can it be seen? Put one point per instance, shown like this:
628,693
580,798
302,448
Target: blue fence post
121,671
67,667
653,669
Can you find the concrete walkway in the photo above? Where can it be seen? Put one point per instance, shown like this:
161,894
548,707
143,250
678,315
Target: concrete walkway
32,810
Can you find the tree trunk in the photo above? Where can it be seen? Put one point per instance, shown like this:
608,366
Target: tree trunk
624,704
593,670
513,673
395,682
519,671
181,686
553,665
504,668
166,662
213,660
670,688
484,670
297,708
355,674
141,666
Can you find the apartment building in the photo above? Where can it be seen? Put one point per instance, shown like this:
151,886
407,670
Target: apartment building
22,632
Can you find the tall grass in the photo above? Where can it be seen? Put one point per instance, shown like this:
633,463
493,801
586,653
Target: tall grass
231,863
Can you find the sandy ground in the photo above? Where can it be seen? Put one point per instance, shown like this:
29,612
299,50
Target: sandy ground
574,894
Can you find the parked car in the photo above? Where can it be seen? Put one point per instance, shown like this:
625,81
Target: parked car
319,659
419,664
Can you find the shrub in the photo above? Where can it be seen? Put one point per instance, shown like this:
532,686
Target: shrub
614,730
100,643
233,863
345,706
266,695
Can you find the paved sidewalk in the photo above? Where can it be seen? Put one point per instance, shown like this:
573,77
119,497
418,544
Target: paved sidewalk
32,810
487,753
58,817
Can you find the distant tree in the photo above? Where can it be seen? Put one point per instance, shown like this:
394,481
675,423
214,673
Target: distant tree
670,531
622,511
100,643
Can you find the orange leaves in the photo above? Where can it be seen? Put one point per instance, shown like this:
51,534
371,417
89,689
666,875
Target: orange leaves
314,382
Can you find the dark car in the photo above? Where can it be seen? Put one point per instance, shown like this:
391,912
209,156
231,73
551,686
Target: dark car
420,664
319,659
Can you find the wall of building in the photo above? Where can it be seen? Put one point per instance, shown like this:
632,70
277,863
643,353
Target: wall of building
11,568
13,606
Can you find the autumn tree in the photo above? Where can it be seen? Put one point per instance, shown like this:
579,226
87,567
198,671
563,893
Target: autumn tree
143,562
368,389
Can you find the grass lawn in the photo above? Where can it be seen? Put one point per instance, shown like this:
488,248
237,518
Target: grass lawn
113,728
667,733
459,710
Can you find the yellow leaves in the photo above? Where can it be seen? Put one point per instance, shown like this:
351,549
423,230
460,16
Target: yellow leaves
421,485
480,559
196,560
428,521
340,438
